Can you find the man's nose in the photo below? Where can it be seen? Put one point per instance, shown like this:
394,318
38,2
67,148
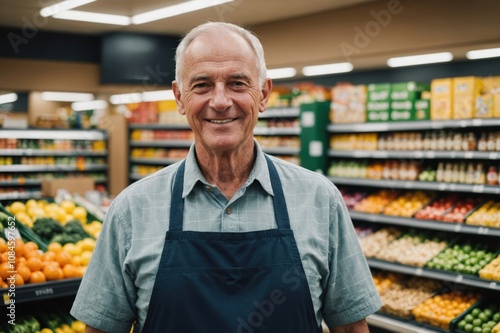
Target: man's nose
221,99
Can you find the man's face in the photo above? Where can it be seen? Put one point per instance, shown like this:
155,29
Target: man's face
221,96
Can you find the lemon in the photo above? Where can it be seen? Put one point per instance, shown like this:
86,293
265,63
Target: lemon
24,219
87,244
46,330
68,206
78,326
80,214
85,257
17,207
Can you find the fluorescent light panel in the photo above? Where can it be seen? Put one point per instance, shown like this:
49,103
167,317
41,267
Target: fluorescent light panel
77,15
63,6
147,96
66,96
421,59
341,67
174,10
280,73
484,53
8,98
90,105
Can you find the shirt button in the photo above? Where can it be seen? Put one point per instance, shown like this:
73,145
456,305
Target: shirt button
229,210
208,187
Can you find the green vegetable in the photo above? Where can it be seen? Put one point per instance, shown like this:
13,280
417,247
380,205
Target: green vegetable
47,228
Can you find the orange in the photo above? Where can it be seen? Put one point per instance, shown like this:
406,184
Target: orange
49,256
30,246
53,272
33,254
3,284
5,270
34,264
70,271
4,257
37,277
54,247
19,281
3,245
63,258
19,249
20,261
24,271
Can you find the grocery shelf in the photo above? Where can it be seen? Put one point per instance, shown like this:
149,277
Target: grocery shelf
281,150
425,224
416,185
395,325
136,176
51,168
159,126
162,143
20,182
20,195
162,161
45,290
50,152
434,274
55,134
416,154
280,113
276,131
412,125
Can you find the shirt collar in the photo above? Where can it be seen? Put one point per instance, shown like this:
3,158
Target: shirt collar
259,172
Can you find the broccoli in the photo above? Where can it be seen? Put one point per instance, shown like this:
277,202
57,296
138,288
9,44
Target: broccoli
47,228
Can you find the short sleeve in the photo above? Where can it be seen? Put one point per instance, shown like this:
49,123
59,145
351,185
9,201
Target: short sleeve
106,296
350,292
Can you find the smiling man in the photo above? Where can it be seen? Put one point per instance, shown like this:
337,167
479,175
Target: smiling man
229,239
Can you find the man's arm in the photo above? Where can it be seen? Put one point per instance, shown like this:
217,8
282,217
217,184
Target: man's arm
357,327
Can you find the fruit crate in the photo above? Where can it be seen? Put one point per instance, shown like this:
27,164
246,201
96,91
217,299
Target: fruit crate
480,318
458,200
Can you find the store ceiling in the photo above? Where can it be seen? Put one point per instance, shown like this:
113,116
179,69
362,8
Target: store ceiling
16,13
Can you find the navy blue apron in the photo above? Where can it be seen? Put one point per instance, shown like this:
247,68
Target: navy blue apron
230,282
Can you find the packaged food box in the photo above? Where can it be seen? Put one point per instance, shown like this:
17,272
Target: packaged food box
402,110
407,90
422,109
465,91
348,104
441,99
379,92
487,104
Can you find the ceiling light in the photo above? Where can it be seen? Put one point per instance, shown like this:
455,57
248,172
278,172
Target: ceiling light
66,96
8,98
485,53
161,95
341,67
420,59
280,73
63,6
174,10
125,98
77,15
89,105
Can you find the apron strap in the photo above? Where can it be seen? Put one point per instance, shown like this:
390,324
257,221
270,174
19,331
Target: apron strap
280,209
177,202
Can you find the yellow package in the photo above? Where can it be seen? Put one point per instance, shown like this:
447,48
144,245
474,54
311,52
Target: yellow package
488,103
465,91
441,98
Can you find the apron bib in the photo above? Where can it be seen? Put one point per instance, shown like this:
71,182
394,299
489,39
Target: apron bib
220,282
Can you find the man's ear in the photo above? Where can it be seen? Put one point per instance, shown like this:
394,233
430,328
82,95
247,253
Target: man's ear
265,91
177,95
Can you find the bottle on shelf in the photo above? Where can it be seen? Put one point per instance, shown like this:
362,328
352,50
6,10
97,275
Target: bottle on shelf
492,177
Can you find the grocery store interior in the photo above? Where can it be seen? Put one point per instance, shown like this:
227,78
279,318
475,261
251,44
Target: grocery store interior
397,102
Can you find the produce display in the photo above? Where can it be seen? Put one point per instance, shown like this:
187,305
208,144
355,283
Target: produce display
405,295
436,209
492,270
414,248
481,319
278,141
407,204
385,280
41,322
441,309
375,242
351,198
159,153
487,215
160,135
376,202
460,211
464,259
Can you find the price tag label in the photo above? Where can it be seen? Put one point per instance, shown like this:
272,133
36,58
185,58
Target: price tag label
419,154
419,271
493,156
478,188
459,278
492,285
383,154
315,148
6,299
483,231
458,228
442,186
431,154
469,155
44,292
477,122
307,119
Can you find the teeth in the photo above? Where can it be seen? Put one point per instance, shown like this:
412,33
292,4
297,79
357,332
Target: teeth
221,121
